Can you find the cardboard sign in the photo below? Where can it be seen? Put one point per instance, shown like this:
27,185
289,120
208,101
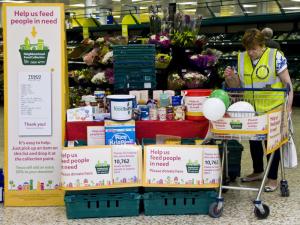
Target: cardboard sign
34,75
86,167
101,167
277,130
127,164
249,125
95,135
181,166
194,105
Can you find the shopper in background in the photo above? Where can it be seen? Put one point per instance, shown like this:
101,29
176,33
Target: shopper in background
250,75
268,33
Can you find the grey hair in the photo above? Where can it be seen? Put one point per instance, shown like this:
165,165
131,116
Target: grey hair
267,32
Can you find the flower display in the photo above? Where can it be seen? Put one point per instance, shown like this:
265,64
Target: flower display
99,78
160,40
194,79
162,61
175,82
108,58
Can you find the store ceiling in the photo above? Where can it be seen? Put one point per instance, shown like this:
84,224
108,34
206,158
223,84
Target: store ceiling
207,8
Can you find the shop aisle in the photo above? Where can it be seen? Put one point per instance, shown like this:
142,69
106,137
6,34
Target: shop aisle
238,208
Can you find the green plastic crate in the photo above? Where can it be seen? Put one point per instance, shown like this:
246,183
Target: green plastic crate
178,203
234,149
102,205
134,49
135,85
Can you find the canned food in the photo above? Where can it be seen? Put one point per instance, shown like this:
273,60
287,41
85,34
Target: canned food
144,112
162,114
169,109
170,116
153,114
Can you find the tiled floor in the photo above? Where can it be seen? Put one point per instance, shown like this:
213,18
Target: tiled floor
238,207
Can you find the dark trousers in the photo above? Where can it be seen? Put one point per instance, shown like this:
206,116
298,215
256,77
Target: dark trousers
257,155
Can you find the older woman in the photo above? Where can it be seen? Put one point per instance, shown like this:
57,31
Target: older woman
258,67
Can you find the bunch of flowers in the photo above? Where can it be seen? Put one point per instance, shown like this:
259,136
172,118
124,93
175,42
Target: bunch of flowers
108,58
162,40
99,78
81,76
206,59
162,61
194,79
175,82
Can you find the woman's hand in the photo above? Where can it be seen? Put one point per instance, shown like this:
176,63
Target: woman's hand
229,72
231,78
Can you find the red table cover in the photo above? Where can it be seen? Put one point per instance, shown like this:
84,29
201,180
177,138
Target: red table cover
145,129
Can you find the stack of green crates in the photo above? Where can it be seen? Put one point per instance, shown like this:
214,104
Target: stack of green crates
134,67
102,203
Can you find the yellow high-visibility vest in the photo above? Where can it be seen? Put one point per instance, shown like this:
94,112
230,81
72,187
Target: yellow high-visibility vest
262,75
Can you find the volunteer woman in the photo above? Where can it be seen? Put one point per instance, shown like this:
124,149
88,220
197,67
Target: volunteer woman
259,67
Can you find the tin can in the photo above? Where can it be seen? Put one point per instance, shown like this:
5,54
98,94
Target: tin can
153,113
169,109
162,114
144,112
99,94
170,116
179,113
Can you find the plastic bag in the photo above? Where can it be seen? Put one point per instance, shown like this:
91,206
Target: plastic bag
290,154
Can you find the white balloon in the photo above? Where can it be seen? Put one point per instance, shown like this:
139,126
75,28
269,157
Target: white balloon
241,109
213,109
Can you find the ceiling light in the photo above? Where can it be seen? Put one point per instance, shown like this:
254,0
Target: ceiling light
291,8
187,3
249,6
116,16
190,10
143,7
249,12
77,5
116,0
136,0
295,0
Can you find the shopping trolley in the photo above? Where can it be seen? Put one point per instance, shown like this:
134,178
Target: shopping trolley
261,99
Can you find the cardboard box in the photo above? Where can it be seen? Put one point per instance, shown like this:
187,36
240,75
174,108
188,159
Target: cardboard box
119,133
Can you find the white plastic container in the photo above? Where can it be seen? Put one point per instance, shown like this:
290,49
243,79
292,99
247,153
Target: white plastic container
121,107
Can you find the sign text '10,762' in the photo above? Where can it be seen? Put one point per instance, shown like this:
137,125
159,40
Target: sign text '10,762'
121,161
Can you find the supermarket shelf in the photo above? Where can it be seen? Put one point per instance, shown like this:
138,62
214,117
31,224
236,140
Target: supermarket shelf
76,62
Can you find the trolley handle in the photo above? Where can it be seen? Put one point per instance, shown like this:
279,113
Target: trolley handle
268,88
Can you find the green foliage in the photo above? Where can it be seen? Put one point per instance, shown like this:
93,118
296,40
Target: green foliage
185,39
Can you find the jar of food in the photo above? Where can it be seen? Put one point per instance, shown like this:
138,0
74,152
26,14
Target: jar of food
162,113
170,115
179,113
153,113
82,104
